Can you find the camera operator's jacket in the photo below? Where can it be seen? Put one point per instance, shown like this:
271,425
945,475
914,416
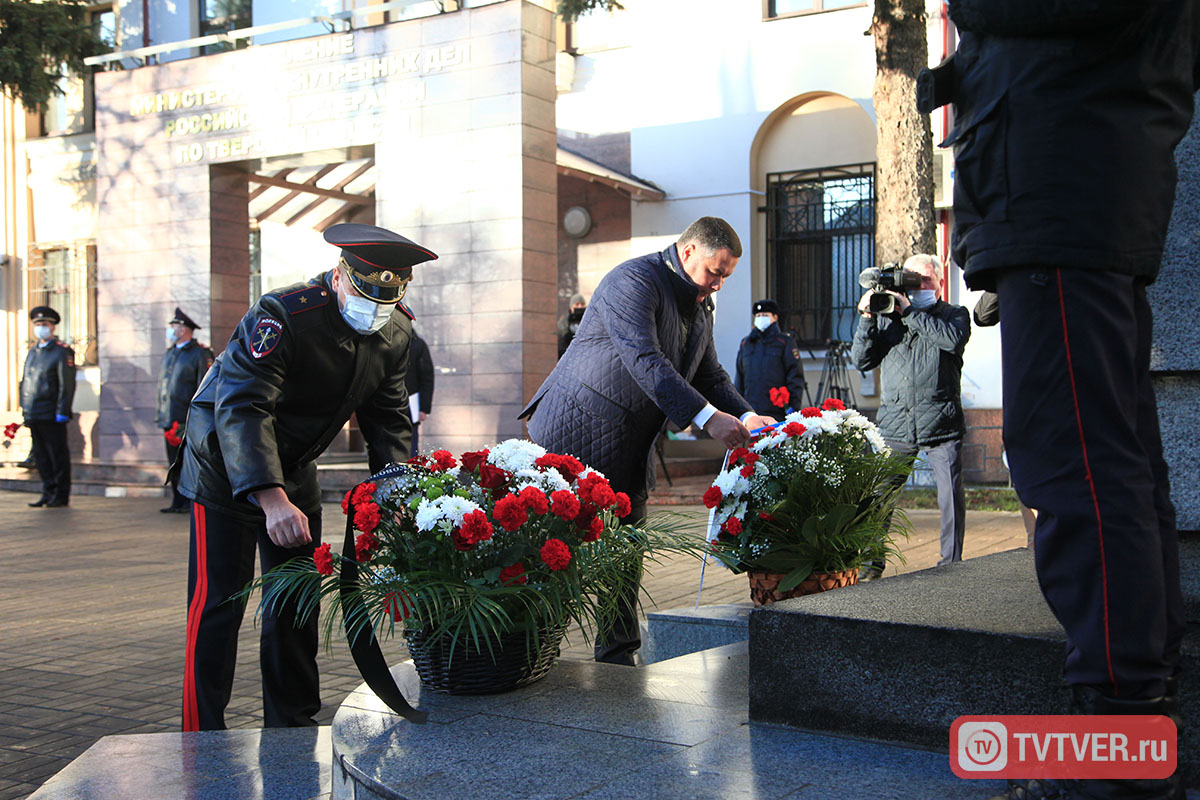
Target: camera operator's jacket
289,379
919,355
1034,83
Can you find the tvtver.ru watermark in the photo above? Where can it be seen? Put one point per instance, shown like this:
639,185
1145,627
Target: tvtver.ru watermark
1063,747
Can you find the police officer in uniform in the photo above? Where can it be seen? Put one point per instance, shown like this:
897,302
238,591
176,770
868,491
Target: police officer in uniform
184,364
47,391
769,359
301,361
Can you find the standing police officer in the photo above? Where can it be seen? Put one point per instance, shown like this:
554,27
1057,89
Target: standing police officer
301,361
47,390
769,373
184,364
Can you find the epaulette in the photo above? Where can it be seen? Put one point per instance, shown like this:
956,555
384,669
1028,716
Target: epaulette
405,311
305,299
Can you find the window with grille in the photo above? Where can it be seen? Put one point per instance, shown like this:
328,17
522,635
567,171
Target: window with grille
64,278
820,236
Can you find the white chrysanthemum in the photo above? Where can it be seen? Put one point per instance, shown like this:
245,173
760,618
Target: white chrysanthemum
451,508
589,471
515,454
877,442
728,482
770,441
548,481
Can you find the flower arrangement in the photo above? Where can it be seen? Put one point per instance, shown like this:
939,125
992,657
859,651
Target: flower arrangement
509,539
813,494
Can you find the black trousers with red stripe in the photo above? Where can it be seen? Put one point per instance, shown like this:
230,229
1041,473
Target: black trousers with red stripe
1082,435
220,564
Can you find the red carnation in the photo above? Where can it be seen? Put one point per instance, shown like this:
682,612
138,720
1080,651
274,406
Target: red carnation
10,430
363,492
811,411
491,477
594,529
712,497
765,516
475,526
564,504
472,460
534,499
733,526
442,461
323,559
568,466
752,458
734,455
366,517
346,501
780,396
833,404
365,545
596,490
514,573
555,554
460,540
624,507
396,603
510,512
747,471
794,429
171,434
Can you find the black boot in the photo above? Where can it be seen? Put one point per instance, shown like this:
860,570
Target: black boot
40,502
1090,700
1036,789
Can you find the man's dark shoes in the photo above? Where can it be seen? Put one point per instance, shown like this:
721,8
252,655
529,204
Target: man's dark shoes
175,510
41,502
1033,790
58,502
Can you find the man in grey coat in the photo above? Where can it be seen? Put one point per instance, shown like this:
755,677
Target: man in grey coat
644,354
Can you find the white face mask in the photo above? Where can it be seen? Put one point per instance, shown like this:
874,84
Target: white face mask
762,322
172,336
922,298
365,316
42,332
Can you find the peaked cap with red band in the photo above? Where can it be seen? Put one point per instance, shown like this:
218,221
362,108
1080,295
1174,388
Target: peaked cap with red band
379,262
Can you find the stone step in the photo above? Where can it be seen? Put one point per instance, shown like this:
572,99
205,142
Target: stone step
900,659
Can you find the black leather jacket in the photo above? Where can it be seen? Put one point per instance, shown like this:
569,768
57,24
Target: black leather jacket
289,379
919,354
768,360
182,369
48,382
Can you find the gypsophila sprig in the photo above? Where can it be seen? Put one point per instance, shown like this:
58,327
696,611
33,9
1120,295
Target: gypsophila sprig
813,494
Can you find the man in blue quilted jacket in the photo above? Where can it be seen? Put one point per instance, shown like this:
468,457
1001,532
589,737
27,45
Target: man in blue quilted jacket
644,354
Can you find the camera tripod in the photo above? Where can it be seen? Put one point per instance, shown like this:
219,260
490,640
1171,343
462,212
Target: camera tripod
835,374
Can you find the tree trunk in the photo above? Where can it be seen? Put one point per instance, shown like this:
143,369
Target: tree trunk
904,182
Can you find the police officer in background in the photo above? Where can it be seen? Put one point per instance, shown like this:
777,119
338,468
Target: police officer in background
302,360
569,323
419,384
47,391
769,373
184,364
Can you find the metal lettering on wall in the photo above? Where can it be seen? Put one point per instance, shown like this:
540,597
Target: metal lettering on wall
299,96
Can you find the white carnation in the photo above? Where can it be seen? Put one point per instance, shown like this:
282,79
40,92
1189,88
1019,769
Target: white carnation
548,481
451,508
515,455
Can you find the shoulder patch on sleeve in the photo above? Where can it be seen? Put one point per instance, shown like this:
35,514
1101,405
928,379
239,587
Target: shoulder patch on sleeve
305,299
405,311
70,356
265,337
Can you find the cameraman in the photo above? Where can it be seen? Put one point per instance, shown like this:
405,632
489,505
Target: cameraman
919,348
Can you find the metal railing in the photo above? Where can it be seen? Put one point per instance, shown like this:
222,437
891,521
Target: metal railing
341,21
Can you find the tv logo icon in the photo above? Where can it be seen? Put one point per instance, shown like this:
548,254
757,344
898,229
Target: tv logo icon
982,746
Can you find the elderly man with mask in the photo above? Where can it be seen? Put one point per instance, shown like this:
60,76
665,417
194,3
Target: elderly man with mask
919,350
301,361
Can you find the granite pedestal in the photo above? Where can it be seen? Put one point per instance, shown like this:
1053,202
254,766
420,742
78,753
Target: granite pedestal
680,631
901,659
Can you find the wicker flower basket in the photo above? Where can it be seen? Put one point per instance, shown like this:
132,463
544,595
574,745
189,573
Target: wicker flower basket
764,586
509,665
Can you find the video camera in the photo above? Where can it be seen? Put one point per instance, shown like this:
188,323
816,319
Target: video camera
891,277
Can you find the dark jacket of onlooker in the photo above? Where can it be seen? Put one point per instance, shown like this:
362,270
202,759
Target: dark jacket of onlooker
182,369
48,382
631,368
1030,193
919,355
769,360
420,373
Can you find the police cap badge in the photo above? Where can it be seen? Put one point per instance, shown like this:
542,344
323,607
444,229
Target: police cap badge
379,263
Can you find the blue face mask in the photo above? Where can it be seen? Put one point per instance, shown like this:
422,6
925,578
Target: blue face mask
922,298
364,316
42,332
762,323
